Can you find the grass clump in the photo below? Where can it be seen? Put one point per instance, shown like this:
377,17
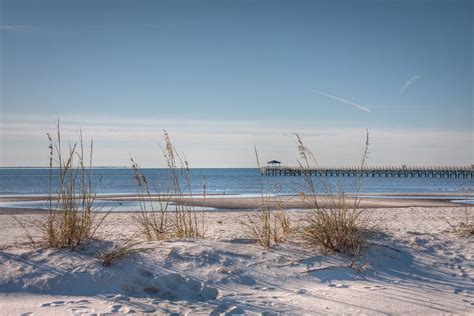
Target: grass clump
339,227
153,223
267,226
119,251
464,228
336,223
159,222
72,220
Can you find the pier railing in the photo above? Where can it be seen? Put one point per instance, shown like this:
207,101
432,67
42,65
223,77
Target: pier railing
374,171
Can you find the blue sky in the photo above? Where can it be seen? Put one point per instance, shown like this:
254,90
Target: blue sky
223,76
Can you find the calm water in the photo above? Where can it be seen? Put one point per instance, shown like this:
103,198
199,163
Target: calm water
32,181
228,182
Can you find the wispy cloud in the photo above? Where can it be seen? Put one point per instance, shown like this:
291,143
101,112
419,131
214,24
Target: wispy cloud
363,108
409,82
19,28
23,142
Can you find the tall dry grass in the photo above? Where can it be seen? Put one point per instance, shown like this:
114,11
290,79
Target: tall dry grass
160,222
335,222
269,224
267,227
72,219
119,251
465,227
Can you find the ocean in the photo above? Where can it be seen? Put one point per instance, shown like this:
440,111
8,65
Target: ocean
228,182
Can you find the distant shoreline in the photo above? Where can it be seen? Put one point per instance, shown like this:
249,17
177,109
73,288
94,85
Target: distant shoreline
39,197
219,202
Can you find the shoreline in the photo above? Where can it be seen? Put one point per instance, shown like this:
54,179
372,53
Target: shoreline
219,202
32,197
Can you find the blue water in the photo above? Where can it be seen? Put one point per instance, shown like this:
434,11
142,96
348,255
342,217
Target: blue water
33,181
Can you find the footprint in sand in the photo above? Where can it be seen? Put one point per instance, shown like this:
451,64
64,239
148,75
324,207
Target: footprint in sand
235,310
78,302
79,307
119,297
118,308
469,302
375,288
459,291
52,304
80,310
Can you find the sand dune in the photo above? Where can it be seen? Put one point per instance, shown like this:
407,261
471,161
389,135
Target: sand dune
417,266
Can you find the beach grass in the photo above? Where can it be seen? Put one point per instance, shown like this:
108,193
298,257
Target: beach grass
72,219
159,222
340,225
465,227
265,225
119,251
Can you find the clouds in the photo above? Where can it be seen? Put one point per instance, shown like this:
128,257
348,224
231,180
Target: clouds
228,143
363,108
409,82
21,28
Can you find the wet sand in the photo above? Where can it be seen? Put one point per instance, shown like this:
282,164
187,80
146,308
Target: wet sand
235,202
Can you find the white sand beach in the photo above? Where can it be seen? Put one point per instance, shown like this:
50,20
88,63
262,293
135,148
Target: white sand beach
417,265
163,157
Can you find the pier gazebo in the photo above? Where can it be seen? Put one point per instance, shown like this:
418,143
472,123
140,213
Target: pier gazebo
273,164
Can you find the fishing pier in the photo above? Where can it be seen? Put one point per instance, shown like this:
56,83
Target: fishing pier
274,169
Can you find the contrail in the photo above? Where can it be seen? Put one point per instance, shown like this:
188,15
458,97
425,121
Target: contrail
409,82
363,108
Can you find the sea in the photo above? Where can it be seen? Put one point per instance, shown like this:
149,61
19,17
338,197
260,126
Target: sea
227,182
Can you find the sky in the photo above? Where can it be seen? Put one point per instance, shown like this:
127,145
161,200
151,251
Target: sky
224,76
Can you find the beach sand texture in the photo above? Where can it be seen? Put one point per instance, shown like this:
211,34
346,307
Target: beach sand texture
417,266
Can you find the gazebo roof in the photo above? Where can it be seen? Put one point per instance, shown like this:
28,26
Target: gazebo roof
273,161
